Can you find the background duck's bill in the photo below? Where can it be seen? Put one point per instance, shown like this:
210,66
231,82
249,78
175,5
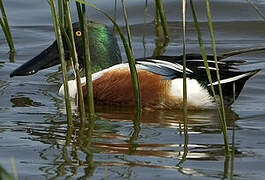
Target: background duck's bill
47,58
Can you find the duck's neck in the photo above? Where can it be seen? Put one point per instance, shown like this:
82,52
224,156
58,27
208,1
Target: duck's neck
104,49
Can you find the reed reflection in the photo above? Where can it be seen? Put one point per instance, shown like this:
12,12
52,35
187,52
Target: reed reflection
119,133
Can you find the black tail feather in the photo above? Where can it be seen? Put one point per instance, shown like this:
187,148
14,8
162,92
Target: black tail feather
231,90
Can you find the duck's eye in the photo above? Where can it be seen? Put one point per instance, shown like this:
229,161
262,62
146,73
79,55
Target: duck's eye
78,33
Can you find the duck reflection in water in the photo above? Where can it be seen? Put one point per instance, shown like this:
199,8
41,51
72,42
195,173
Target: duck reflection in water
116,137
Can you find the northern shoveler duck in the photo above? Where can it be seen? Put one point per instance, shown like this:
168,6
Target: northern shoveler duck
160,78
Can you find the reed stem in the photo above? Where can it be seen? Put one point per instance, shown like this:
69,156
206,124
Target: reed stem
208,71
115,10
6,29
88,69
127,25
5,175
129,53
184,61
145,25
58,34
161,42
185,109
222,115
131,61
160,7
241,51
68,24
60,10
257,9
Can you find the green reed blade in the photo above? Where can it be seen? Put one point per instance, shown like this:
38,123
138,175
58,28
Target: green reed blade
88,69
204,56
207,70
145,25
6,29
186,143
160,8
79,12
4,174
136,131
88,65
260,13
232,152
184,61
241,51
161,41
185,111
115,10
60,11
131,49
127,25
14,168
203,52
129,53
58,35
68,24
223,118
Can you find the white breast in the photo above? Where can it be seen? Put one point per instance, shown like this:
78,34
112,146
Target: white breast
72,83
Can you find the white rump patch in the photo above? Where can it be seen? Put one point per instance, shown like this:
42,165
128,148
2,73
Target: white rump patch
196,95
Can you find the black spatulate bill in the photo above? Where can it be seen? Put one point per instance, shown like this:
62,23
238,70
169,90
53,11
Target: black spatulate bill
47,58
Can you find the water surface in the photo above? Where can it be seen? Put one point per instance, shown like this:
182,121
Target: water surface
33,126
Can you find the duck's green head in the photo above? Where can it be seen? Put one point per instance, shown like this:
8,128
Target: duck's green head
104,51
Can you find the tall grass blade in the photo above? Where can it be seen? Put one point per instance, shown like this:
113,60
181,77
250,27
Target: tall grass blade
132,61
145,23
14,168
5,27
58,34
260,13
203,52
186,142
161,41
60,10
12,57
127,25
72,47
115,10
129,53
5,175
184,61
88,70
232,154
85,136
222,115
161,11
241,51
185,109
136,132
